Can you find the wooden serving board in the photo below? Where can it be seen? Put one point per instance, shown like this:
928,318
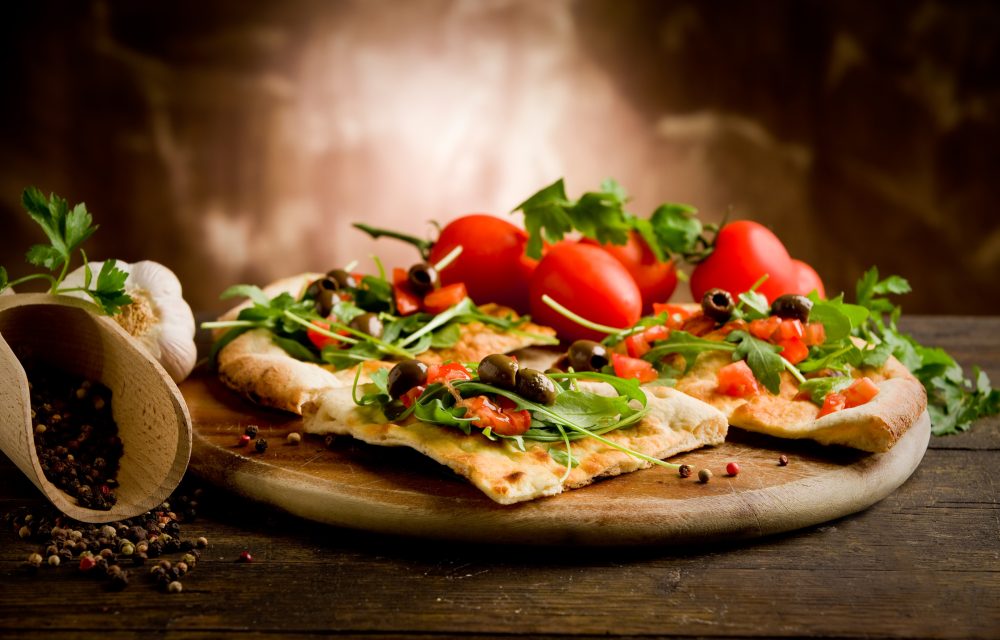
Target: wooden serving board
398,491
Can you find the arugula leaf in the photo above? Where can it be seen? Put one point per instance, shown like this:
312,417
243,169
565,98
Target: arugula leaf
762,357
685,345
434,411
446,337
295,349
953,401
590,410
752,306
253,292
563,457
818,388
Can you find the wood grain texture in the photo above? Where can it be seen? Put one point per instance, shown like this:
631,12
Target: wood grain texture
924,562
395,490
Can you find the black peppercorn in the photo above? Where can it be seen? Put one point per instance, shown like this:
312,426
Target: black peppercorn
684,471
251,430
260,445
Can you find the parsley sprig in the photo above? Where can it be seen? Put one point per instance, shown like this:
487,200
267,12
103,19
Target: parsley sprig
67,229
673,229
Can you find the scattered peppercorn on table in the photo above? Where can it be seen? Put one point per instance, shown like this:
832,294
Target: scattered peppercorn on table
922,562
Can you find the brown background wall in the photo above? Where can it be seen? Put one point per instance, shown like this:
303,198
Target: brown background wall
235,141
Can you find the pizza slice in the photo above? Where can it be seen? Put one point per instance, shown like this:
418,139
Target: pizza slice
520,436
794,369
299,334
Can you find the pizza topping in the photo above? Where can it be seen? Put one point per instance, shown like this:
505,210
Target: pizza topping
737,380
535,386
405,376
861,391
587,355
718,305
499,370
368,323
444,298
832,403
792,306
343,278
545,408
423,278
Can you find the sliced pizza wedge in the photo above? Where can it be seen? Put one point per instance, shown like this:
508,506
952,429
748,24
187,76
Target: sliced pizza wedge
527,462
284,343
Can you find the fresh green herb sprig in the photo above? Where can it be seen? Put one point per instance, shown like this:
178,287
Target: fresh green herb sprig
574,415
954,401
67,229
673,229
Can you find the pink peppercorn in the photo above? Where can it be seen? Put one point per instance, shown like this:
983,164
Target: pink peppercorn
244,440
246,557
732,469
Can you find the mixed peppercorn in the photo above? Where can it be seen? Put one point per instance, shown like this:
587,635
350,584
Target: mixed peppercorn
76,437
113,551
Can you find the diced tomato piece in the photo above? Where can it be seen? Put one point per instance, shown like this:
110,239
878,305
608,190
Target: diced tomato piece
447,371
626,367
676,314
441,299
790,328
815,334
636,345
318,339
737,380
764,328
411,396
658,332
407,302
832,403
793,350
861,391
488,414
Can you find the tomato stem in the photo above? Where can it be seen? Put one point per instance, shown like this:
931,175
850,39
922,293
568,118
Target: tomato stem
422,245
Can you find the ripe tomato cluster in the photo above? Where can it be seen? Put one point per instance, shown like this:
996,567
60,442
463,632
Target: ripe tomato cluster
608,284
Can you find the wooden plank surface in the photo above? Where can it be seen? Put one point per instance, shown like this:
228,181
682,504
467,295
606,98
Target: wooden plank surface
924,562
395,490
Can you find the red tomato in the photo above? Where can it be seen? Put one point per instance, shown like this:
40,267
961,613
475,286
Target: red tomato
407,302
447,371
737,380
764,328
492,263
411,396
626,367
815,334
793,349
745,251
657,332
861,391
488,414
589,282
676,314
807,280
657,280
318,339
832,403
445,297
790,328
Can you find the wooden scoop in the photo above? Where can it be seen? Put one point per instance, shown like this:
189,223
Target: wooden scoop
153,422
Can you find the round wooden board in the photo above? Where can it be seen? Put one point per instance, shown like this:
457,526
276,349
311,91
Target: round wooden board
398,491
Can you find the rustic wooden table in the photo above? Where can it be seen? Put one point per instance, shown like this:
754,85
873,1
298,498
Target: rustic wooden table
925,562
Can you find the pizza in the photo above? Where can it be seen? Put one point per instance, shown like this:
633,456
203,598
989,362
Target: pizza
528,435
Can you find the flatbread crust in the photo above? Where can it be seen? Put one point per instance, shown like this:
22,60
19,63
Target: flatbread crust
874,426
259,369
675,423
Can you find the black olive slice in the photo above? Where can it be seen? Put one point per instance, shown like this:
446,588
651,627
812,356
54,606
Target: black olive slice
406,375
792,306
423,278
718,305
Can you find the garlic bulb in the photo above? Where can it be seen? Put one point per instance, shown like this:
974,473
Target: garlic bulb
159,317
